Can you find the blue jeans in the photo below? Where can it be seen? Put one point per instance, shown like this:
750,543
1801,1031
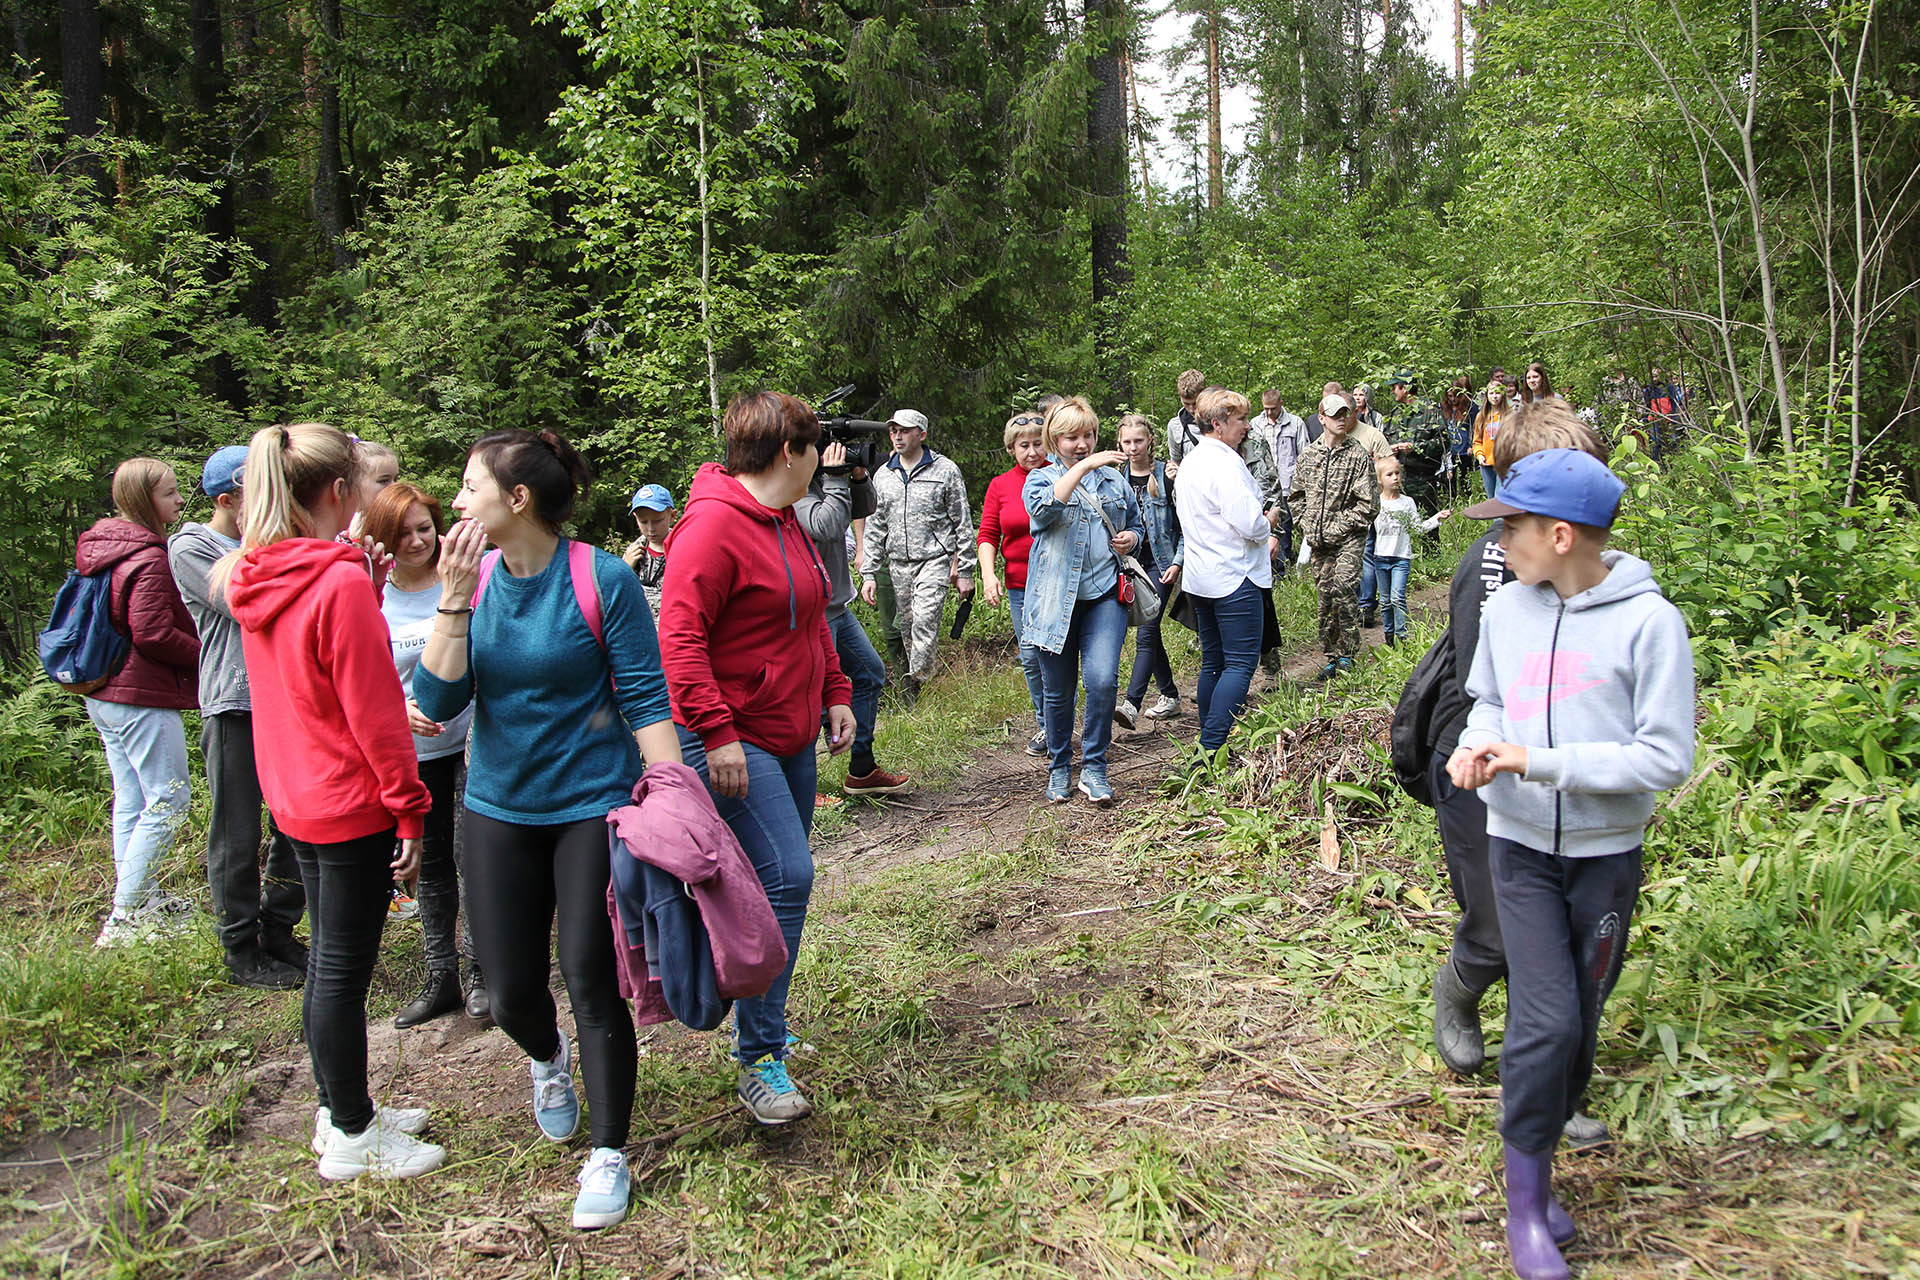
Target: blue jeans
1490,482
1029,658
869,675
1092,651
1150,656
1231,628
773,822
147,755
1367,563
1390,582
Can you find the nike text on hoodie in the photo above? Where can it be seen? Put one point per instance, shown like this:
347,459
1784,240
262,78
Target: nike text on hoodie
1599,690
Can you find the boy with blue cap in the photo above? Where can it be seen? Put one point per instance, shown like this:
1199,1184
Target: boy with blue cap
255,918
654,513
1583,710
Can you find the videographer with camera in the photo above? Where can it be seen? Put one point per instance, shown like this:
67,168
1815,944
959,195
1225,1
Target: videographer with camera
838,495
922,530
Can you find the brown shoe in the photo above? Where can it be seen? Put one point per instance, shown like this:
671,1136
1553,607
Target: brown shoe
877,783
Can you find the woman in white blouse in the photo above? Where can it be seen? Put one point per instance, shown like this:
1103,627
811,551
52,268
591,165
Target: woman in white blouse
1226,558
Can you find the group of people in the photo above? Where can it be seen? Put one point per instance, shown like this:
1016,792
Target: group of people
407,702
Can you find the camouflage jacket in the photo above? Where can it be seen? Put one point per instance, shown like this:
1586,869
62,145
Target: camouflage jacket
1335,493
1419,424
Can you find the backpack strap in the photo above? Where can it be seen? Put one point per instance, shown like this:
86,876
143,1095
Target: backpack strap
487,564
586,588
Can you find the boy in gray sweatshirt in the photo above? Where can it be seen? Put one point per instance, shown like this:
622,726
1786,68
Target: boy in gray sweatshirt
1583,709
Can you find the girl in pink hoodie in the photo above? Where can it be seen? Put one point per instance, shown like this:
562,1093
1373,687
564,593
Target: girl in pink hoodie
336,763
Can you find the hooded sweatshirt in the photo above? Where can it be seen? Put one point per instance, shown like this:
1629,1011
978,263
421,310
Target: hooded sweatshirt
1599,689
164,654
330,734
743,624
192,553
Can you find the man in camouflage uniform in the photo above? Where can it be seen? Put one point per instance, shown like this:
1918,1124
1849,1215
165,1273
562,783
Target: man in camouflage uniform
1335,497
1419,439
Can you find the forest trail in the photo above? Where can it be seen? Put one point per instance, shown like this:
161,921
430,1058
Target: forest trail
1035,1054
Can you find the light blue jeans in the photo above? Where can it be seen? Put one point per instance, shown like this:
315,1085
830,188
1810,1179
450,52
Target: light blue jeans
1390,583
147,754
1029,657
773,822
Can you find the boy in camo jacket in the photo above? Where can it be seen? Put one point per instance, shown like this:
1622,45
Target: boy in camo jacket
1334,498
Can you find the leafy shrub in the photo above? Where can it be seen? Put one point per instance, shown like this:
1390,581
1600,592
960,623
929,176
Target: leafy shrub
53,776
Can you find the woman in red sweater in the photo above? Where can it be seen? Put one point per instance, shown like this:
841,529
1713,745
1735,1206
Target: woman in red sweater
1003,529
137,712
336,763
750,666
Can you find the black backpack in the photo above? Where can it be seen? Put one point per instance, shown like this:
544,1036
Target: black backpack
1412,736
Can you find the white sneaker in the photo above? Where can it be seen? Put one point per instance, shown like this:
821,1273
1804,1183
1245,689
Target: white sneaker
378,1150
165,916
1165,709
400,1119
120,930
1125,714
605,1186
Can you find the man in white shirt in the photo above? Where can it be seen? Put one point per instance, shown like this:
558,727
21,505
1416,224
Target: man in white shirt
1228,566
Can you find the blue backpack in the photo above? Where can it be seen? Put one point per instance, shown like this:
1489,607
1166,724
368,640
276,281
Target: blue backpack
81,648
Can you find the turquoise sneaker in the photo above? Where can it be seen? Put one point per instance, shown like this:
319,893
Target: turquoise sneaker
605,1186
769,1093
556,1107
1059,785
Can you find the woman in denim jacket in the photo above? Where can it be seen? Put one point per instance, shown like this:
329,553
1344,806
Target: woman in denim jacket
1073,612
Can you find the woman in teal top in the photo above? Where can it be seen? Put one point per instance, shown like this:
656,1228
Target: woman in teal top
561,723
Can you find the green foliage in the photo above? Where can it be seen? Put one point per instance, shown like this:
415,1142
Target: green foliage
54,785
1742,546
108,322
451,324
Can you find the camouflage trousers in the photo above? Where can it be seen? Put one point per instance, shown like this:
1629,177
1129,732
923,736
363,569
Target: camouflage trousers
920,596
1336,572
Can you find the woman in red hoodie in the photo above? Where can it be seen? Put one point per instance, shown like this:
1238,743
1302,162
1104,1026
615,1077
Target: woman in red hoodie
137,712
336,764
750,666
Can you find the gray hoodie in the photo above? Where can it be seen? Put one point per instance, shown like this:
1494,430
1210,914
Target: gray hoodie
192,553
1599,690
826,510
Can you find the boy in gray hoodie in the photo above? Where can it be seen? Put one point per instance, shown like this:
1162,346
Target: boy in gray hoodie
255,916
1583,709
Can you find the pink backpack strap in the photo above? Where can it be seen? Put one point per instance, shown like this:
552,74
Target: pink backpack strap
487,564
586,588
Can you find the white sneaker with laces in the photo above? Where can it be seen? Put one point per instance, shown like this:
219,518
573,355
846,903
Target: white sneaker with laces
378,1150
1165,709
1125,714
120,930
409,1120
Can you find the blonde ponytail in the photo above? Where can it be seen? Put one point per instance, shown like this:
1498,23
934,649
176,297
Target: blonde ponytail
288,468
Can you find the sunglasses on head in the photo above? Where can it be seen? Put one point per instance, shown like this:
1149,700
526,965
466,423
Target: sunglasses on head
1030,420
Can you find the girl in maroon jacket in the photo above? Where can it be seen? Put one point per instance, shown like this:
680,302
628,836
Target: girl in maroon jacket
336,764
138,711
750,666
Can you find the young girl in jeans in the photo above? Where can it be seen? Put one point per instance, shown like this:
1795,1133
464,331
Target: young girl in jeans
1159,555
562,719
137,712
336,763
1393,548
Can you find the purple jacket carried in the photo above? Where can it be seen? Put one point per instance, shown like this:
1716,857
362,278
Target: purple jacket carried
672,826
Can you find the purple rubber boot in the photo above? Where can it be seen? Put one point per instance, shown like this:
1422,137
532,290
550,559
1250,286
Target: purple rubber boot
1529,1236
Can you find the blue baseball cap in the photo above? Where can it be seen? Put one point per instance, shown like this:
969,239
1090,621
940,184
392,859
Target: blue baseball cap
652,497
223,470
1561,484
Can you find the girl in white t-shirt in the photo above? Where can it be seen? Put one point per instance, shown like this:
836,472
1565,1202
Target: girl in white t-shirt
1393,547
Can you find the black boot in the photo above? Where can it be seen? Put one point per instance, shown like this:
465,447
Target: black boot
249,966
1368,616
439,997
1456,1023
284,947
479,1007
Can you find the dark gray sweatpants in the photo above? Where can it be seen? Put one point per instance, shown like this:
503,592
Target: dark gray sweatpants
1564,921
1479,957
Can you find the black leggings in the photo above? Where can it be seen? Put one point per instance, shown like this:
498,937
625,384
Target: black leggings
440,891
518,877
347,887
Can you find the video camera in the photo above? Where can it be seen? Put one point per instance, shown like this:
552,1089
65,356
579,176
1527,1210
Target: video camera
866,441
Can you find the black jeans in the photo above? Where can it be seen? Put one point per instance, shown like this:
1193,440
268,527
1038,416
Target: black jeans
347,890
1479,957
244,905
518,879
1565,923
1150,655
440,890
